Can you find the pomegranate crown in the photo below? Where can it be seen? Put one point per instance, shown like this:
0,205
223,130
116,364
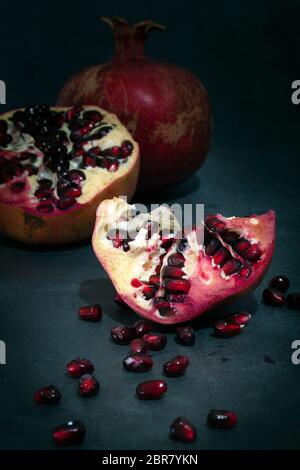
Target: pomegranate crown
130,40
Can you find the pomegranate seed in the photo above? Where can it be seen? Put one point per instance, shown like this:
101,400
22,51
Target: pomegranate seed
177,285
92,115
136,283
185,335
173,272
45,183
95,151
230,237
273,298
70,433
138,346
221,256
155,342
49,395
118,299
88,386
111,166
182,430
222,419
91,313
161,303
176,366
78,367
43,194
73,192
122,334
115,151
149,291
45,208
242,245
214,224
232,266
154,280
167,241
242,318
245,271
65,203
293,301
224,329
76,176
151,389
17,187
253,254
142,327
212,247
280,283
176,260
89,160
137,363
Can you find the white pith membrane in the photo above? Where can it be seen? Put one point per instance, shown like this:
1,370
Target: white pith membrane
202,278
16,170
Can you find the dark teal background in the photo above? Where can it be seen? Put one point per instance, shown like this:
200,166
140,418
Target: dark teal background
246,54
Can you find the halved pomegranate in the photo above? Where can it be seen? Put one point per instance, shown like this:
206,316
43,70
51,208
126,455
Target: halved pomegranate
176,281
56,165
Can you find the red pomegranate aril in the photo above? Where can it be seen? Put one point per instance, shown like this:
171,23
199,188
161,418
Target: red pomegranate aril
88,386
76,176
176,366
93,116
138,363
43,193
222,419
154,280
155,342
138,346
115,151
161,303
212,247
136,283
45,183
176,260
230,237
70,433
177,285
172,272
95,151
142,327
245,271
17,187
151,390
242,318
293,301
185,335
253,253
49,395
182,430
119,301
45,208
221,256
232,266
89,160
91,313
214,224
122,334
149,291
78,367
280,283
65,203
241,245
224,329
273,298
73,192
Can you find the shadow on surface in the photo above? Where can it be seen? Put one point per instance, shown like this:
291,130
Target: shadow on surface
7,242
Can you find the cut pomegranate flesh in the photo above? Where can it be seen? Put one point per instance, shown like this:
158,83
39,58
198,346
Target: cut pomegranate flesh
293,301
151,389
222,419
88,386
49,166
78,367
176,366
185,335
182,430
176,282
155,342
137,363
49,395
122,334
91,313
273,298
69,433
280,283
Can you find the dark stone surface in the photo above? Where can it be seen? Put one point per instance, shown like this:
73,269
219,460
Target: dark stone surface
247,56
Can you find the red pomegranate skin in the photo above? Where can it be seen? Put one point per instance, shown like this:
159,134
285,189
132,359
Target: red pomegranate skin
165,107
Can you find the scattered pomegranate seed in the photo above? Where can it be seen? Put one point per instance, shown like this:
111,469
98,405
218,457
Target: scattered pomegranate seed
182,430
70,433
77,367
242,318
138,346
155,342
137,363
185,335
91,313
122,334
280,283
151,389
273,298
176,366
224,329
88,386
222,419
293,301
142,327
49,395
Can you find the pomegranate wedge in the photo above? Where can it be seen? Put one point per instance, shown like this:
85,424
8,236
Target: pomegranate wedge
194,277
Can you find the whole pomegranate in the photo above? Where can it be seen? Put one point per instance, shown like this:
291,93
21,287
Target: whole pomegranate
165,107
